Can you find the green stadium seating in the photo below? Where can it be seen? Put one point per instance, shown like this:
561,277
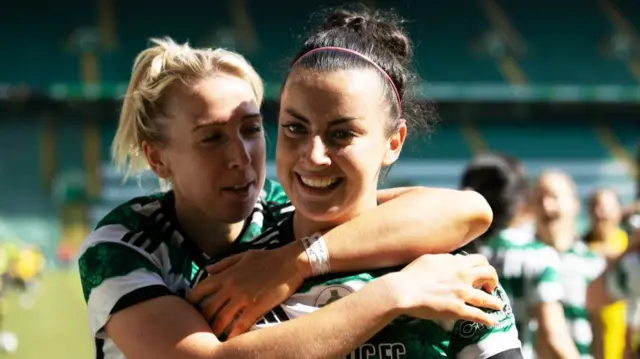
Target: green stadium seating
562,49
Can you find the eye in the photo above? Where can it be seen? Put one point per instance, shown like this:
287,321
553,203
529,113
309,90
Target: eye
254,129
294,129
213,138
343,135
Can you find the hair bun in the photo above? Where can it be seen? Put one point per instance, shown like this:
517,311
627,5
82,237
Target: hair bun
343,18
384,28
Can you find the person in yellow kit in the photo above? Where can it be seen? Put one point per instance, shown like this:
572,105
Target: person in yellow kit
25,271
606,237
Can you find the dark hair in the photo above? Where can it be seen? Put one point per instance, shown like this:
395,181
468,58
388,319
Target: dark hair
377,35
502,181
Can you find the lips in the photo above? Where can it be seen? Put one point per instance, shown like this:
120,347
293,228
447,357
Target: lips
319,182
240,191
318,185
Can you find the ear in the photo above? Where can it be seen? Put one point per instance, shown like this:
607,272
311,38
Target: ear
157,162
394,144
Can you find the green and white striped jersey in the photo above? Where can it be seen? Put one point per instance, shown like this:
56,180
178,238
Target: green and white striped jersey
138,252
579,266
623,280
404,338
528,270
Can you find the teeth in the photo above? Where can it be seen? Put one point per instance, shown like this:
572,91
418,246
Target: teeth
318,183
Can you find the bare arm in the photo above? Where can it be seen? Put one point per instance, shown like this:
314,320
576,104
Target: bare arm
168,327
411,222
553,333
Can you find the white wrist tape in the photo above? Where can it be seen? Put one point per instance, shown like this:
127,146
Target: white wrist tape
318,254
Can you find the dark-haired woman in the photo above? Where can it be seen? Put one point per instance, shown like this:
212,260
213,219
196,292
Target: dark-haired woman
345,111
528,269
192,116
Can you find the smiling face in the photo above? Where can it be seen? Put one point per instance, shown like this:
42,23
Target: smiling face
333,139
215,150
555,200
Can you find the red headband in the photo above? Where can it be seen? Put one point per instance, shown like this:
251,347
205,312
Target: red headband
364,57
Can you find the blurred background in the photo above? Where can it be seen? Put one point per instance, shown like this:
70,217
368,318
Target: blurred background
554,83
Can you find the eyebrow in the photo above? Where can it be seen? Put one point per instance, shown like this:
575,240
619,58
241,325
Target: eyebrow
295,114
246,117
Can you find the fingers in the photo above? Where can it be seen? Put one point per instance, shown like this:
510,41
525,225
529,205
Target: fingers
224,264
213,305
206,287
484,277
225,316
246,319
476,315
481,299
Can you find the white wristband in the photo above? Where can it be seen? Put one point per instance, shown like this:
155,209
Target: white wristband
318,254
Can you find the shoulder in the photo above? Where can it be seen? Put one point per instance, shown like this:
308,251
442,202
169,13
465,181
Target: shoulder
138,226
122,261
541,257
133,213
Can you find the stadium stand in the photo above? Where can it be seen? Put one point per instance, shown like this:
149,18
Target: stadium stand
494,43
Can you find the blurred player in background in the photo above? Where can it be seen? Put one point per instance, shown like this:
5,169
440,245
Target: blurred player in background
528,269
621,280
556,207
606,238
25,273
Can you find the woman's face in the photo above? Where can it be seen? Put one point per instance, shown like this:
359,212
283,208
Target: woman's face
215,149
333,141
605,208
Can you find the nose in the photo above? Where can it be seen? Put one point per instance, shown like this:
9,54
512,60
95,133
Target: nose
237,153
315,152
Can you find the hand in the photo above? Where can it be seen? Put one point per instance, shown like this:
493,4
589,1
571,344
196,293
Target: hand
242,288
444,287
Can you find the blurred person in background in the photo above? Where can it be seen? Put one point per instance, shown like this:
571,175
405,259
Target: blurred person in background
621,281
528,269
556,208
606,238
192,116
26,272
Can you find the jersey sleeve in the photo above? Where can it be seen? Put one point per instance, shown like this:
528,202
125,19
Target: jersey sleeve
546,281
474,341
623,280
116,275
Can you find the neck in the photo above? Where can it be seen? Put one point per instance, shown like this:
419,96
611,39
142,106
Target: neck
558,235
210,236
304,226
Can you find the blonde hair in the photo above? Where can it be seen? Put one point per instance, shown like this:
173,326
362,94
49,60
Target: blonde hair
156,71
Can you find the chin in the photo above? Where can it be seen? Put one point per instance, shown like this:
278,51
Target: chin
235,214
